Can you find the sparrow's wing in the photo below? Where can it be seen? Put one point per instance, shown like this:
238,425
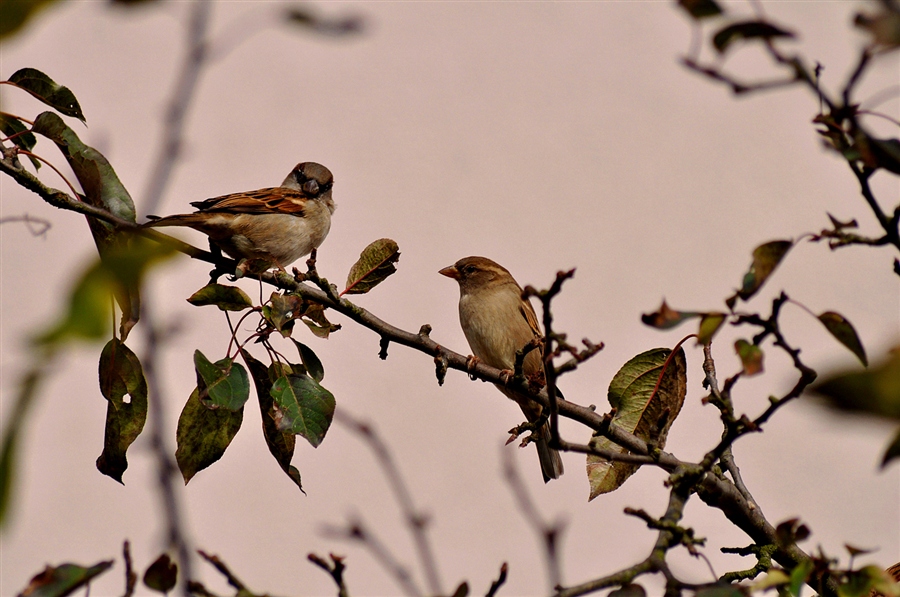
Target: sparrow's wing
527,312
275,200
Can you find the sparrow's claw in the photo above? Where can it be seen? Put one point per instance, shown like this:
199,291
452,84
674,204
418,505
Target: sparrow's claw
471,362
506,375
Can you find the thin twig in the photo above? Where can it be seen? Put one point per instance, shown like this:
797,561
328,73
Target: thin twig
356,532
179,104
166,469
335,570
36,226
548,533
130,574
415,519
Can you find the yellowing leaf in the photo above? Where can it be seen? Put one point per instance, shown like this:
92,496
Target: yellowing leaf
751,357
375,264
666,317
709,325
647,395
766,258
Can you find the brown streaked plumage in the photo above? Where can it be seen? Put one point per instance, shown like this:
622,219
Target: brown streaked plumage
274,226
497,322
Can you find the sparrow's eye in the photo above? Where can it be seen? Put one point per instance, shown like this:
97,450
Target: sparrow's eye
311,187
469,269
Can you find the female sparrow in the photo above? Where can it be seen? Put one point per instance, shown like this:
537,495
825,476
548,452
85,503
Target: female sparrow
268,227
497,322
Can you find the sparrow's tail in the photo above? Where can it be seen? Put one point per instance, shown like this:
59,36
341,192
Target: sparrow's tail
178,220
551,463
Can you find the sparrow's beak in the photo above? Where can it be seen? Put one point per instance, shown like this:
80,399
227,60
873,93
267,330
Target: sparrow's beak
450,272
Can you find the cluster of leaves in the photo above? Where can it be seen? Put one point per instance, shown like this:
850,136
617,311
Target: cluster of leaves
291,397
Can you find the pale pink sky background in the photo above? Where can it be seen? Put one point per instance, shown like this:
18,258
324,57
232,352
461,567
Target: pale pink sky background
457,128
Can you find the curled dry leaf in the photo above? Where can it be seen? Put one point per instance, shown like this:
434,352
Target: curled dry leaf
226,298
723,38
666,317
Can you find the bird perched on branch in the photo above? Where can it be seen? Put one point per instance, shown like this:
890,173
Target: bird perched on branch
267,227
497,322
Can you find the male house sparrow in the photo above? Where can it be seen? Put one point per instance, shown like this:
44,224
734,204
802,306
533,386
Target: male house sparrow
497,322
268,227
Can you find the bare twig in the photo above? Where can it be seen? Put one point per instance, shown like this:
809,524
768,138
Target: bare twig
356,532
36,226
219,565
130,575
504,568
547,532
415,519
167,471
183,94
335,569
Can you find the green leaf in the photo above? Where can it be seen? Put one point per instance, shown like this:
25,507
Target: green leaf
281,445
766,258
223,384
226,298
311,362
709,326
303,407
701,9
666,318
875,391
281,312
747,30
775,577
48,91
843,331
799,576
121,375
102,188
375,264
16,13
318,324
642,408
88,306
892,451
9,126
62,580
203,435
162,575
751,357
